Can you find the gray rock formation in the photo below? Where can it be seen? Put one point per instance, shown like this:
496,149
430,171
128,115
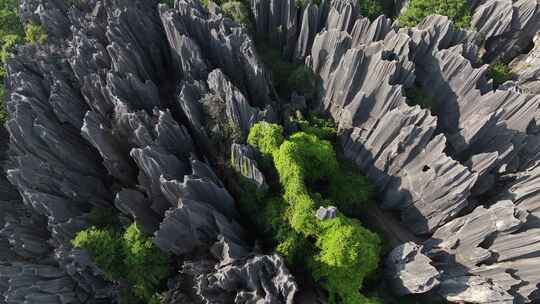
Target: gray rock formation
362,89
243,159
113,113
326,213
409,271
526,67
507,27
94,124
260,279
471,251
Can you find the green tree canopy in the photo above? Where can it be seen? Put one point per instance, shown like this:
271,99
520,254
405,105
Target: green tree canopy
457,10
343,252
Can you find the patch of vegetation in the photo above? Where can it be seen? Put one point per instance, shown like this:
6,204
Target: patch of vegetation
35,34
368,8
303,80
130,256
457,10
500,73
416,96
237,11
12,33
287,76
338,252
281,69
170,3
302,3
371,8
218,2
322,128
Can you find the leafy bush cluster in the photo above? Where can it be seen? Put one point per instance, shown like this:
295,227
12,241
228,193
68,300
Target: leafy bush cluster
457,10
368,8
170,3
416,96
129,255
238,12
322,128
35,34
339,252
287,77
371,8
13,32
500,73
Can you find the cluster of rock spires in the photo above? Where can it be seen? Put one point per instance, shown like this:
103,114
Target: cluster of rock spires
122,107
436,167
108,114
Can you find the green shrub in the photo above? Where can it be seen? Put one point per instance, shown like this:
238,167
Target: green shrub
11,34
416,96
237,11
10,23
302,3
315,158
281,69
457,10
3,112
35,34
105,248
218,2
266,137
322,128
343,252
130,256
500,73
348,253
350,189
170,3
303,81
371,8
146,265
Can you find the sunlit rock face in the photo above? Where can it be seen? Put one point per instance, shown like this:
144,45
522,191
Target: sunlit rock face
436,167
108,114
118,110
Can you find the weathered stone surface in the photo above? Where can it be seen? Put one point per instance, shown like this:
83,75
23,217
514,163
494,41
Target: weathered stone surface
238,110
95,122
261,278
507,26
38,284
527,69
326,213
481,255
409,271
92,126
243,159
429,187
224,44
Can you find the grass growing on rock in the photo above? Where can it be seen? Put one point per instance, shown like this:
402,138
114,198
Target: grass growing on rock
457,10
129,255
416,96
339,253
500,73
12,33
371,8
238,12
